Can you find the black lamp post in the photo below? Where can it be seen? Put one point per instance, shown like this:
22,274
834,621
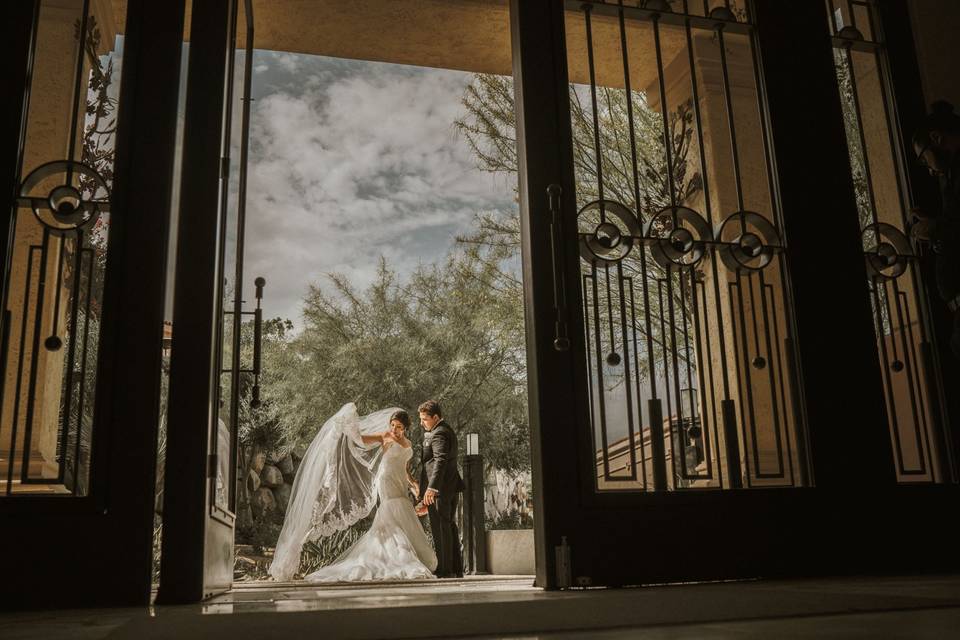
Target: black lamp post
475,547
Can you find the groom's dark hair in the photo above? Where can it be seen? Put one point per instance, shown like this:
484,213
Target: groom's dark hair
431,408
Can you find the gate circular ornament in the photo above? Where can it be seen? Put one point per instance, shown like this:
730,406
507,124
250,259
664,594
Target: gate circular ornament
678,237
58,204
887,250
748,241
607,231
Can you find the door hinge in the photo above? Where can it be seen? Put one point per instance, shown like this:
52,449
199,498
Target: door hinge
212,464
564,573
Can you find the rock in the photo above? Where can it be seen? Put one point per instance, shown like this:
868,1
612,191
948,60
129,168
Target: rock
286,465
259,459
253,481
262,502
282,495
298,452
271,476
244,518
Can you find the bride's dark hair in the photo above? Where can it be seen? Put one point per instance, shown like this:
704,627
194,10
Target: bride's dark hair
402,417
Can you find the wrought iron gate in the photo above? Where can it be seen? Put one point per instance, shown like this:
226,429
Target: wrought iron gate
685,288
912,388
53,284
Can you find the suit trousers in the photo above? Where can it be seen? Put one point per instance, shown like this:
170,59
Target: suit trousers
446,536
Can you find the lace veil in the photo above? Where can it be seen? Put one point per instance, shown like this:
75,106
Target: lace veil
335,484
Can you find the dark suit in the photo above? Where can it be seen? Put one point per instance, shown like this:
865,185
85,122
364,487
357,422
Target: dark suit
438,470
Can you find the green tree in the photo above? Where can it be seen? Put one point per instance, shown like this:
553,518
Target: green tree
448,334
636,175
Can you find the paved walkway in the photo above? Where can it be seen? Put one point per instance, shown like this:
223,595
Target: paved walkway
499,607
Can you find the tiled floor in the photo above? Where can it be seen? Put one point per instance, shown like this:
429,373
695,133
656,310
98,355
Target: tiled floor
911,607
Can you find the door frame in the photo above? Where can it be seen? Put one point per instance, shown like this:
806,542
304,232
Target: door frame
197,541
64,540
754,532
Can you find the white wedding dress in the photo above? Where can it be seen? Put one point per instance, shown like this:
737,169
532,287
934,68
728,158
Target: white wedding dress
395,547
339,482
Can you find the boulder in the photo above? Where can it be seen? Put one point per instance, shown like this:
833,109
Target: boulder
285,465
299,451
262,502
259,459
253,481
271,476
282,495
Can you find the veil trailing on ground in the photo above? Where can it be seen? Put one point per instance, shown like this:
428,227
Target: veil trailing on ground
335,485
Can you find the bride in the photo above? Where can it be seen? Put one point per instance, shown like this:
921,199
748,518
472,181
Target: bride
350,466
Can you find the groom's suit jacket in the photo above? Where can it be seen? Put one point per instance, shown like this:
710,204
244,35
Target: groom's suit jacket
438,468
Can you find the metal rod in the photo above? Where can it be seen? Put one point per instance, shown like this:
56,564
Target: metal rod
626,372
34,353
731,124
667,137
636,188
78,79
657,449
596,115
18,391
71,350
731,444
909,364
867,173
83,365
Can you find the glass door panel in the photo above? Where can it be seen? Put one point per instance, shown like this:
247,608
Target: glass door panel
53,289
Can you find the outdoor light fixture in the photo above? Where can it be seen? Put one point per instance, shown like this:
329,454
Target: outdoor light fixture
473,444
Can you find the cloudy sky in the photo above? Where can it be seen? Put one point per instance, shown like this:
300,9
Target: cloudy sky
350,161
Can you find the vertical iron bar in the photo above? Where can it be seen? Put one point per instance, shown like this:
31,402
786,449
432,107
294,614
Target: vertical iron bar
636,369
636,188
667,370
731,125
626,371
783,382
885,370
761,284
18,389
56,301
855,93
748,385
34,354
703,338
596,115
83,366
657,450
731,444
908,363
220,270
72,349
241,242
676,380
78,79
667,137
601,400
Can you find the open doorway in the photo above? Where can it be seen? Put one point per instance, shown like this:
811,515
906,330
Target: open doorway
381,212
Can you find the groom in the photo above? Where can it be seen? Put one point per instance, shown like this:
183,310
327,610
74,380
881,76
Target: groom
440,487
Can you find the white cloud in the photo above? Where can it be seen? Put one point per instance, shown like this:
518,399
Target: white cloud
355,161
